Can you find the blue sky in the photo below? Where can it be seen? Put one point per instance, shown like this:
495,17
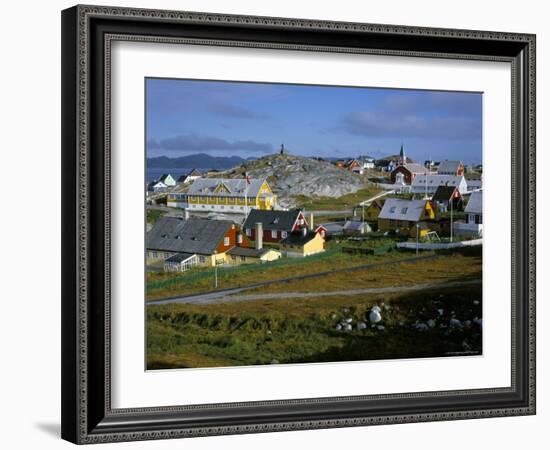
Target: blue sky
253,119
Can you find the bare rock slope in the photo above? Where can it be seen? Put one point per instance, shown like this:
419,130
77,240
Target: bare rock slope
291,176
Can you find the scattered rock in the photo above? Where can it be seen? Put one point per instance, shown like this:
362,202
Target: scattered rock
421,327
431,323
347,327
349,320
455,323
375,315
361,326
338,327
440,311
380,327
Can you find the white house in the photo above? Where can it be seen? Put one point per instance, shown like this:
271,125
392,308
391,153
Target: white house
167,179
156,186
430,182
474,216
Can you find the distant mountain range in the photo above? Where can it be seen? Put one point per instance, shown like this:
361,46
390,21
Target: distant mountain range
199,160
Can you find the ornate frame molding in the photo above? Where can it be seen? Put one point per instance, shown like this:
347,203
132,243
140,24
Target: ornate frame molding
84,423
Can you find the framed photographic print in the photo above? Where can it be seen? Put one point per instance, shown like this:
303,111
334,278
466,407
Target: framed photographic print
281,224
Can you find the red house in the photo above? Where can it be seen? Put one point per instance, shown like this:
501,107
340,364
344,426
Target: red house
409,171
276,225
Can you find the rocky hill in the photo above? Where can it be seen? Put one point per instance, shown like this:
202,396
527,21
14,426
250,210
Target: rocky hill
290,176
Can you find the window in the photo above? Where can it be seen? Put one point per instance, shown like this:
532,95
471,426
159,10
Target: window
202,259
226,241
243,258
233,258
155,255
392,209
239,238
284,234
248,232
274,234
404,210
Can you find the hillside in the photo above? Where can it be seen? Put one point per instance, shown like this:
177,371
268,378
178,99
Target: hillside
291,176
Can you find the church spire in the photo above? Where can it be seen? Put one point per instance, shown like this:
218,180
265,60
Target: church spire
402,156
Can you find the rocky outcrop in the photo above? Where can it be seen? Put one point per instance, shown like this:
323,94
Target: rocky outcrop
292,176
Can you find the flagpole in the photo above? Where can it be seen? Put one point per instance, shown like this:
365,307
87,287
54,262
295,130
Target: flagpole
245,195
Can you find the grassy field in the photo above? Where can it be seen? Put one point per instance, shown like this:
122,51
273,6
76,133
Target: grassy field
447,268
347,201
161,285
309,330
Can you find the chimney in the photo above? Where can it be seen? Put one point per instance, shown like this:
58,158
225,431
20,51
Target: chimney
259,235
186,214
311,221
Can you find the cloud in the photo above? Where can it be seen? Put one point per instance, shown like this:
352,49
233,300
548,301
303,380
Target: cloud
375,124
235,112
198,143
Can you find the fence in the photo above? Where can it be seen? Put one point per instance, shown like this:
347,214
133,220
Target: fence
439,245
203,273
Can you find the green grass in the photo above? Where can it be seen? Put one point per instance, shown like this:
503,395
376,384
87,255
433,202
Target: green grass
162,285
153,215
304,330
347,201
441,270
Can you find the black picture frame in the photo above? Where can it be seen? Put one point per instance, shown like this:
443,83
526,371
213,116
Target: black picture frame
87,416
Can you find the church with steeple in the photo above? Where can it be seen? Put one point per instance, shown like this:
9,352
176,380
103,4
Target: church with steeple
405,172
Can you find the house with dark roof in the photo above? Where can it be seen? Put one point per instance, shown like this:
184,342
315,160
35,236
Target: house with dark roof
208,239
276,225
447,198
302,243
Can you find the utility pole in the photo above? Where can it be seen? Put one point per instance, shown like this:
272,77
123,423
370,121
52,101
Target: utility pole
417,227
215,276
452,201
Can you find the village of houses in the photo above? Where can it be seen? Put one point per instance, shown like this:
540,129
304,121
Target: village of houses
392,270
231,221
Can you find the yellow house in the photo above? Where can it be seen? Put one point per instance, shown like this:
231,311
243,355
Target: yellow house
403,216
302,243
248,255
233,195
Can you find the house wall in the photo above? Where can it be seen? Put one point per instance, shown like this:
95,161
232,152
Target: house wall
272,255
232,235
316,245
372,212
408,176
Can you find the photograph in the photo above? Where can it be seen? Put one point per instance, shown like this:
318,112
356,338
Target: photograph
297,223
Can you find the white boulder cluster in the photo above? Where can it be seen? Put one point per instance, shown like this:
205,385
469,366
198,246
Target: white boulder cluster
373,317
